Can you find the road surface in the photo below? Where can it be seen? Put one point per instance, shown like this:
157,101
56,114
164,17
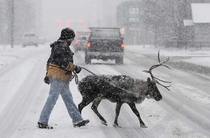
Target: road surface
183,106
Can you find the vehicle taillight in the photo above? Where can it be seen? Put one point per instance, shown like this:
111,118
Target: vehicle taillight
88,45
122,46
77,43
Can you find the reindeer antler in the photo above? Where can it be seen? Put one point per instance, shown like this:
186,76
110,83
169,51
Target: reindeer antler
164,85
155,66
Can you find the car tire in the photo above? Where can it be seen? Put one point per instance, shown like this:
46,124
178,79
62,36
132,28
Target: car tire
87,59
119,60
75,50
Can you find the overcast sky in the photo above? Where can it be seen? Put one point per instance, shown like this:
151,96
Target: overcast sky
93,12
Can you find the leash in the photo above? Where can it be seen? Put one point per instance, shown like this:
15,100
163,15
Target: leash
88,71
77,80
76,76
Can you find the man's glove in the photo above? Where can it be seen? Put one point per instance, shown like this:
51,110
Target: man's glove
78,69
46,80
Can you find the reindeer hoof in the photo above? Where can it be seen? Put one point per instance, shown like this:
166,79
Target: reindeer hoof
116,125
104,123
143,126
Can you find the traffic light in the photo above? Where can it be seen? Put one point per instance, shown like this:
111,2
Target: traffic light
59,22
81,21
42,29
69,23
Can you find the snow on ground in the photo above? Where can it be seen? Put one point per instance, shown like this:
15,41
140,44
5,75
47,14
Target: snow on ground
151,112
193,94
10,82
177,129
195,56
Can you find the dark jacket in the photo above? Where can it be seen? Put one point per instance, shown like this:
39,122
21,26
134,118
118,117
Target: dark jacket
60,64
61,54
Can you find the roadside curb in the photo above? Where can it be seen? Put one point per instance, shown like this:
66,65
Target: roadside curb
186,66
191,67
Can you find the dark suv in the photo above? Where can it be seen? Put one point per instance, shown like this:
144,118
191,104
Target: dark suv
104,43
79,43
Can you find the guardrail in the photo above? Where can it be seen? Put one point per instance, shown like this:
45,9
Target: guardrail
184,44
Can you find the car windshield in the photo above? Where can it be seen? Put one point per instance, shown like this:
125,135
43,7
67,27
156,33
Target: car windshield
81,38
29,35
105,33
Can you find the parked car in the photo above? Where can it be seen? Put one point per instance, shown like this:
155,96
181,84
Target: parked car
79,43
105,43
30,39
41,40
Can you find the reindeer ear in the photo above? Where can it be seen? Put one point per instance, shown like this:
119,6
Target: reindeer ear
148,80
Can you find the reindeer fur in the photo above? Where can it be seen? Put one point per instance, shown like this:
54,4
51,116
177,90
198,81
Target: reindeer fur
120,89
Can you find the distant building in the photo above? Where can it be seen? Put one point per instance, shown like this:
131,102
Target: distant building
194,23
186,27
128,17
201,22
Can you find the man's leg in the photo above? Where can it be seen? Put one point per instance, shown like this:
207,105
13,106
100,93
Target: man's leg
70,105
55,88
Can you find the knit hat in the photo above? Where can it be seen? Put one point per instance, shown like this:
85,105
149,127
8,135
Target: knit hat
67,33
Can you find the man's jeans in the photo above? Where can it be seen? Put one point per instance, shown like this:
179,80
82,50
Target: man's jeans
59,87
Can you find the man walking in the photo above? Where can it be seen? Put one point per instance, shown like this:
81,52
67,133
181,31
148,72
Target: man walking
59,71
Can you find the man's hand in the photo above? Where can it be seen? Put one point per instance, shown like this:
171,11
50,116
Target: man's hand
78,69
46,80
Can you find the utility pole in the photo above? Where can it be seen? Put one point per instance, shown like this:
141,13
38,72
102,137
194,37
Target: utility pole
99,12
12,23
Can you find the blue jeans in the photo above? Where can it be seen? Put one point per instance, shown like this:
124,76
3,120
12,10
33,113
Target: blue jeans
60,87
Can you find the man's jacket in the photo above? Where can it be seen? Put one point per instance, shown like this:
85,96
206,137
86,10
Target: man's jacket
60,64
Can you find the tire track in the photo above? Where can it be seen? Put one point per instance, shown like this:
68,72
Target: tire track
193,113
8,67
15,110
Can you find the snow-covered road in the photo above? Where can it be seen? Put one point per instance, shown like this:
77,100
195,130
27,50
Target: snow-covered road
183,112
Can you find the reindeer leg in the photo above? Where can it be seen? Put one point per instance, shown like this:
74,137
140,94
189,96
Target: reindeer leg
136,112
84,103
94,107
117,112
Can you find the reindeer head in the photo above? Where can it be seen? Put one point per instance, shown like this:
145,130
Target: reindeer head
153,91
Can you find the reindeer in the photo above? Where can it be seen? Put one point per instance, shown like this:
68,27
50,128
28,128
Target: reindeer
120,89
